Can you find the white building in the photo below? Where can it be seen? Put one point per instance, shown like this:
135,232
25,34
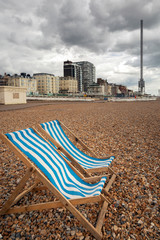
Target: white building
12,95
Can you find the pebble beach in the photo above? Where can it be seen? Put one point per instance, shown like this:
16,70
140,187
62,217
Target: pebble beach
130,131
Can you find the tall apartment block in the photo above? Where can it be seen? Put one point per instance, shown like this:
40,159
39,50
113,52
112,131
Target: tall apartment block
73,70
47,83
88,74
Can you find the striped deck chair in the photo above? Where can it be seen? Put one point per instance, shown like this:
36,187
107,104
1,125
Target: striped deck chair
85,163
48,167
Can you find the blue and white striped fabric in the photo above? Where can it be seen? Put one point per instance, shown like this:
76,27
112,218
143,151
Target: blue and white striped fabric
55,130
53,165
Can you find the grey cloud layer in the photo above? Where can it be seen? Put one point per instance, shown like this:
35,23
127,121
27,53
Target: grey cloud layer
98,26
50,29
118,15
94,24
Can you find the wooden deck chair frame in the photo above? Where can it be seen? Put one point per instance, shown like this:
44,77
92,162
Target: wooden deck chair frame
85,172
19,192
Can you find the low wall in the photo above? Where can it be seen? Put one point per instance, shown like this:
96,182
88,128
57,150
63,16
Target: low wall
73,99
113,99
12,95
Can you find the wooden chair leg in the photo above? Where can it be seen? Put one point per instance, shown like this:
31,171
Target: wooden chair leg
21,195
110,182
101,216
106,189
16,192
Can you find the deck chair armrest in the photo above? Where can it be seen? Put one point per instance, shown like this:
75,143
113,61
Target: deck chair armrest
106,157
93,179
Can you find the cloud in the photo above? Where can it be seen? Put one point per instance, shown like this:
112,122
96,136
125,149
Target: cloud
119,15
66,22
98,26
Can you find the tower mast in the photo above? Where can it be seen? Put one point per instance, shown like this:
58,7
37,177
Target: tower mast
141,83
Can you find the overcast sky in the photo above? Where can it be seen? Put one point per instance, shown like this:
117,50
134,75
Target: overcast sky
39,35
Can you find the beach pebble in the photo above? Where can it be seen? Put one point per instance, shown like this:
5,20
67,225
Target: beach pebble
130,132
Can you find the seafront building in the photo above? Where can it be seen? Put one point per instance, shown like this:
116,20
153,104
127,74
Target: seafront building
88,74
68,85
46,83
73,70
4,79
23,80
83,71
115,90
95,89
103,88
98,89
109,89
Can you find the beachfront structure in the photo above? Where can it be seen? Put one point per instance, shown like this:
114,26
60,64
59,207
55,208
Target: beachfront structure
104,84
73,70
88,74
116,92
109,89
141,83
123,91
98,89
23,81
130,93
95,89
47,83
68,85
12,95
4,79
103,88
120,91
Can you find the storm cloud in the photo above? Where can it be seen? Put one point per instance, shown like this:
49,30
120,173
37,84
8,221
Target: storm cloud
37,36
